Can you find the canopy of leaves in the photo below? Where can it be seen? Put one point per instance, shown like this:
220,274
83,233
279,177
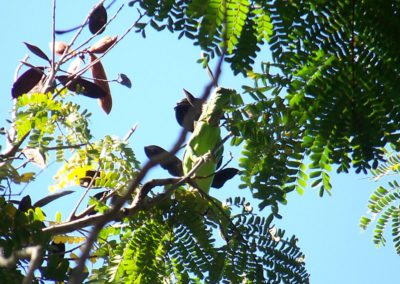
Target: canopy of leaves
329,97
172,234
330,93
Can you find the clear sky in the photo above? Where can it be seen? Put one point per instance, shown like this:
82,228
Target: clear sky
159,67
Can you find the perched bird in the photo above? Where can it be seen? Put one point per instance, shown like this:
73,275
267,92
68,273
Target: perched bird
206,139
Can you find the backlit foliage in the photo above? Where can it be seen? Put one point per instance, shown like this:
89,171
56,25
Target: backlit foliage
383,207
329,94
327,97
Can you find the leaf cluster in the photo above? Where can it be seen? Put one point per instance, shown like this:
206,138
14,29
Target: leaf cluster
383,207
178,241
330,93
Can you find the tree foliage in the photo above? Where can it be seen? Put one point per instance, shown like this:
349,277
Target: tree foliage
326,99
163,230
383,207
328,95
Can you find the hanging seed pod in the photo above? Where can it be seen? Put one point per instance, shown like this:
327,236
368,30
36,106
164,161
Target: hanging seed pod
103,44
27,81
100,79
98,19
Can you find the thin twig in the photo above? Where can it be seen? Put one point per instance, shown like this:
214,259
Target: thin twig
53,35
130,133
91,183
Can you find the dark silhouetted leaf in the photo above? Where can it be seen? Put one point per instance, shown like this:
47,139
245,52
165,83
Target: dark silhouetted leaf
50,198
98,19
166,160
37,51
124,80
82,86
27,81
100,194
187,111
25,204
222,176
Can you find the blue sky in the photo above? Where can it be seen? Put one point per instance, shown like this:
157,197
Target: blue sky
159,67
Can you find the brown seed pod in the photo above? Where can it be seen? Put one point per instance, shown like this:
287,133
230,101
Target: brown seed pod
100,79
59,47
103,44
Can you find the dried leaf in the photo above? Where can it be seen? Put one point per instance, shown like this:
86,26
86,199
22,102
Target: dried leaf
124,80
100,79
166,160
25,204
98,19
82,86
35,156
222,176
103,44
37,51
27,81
